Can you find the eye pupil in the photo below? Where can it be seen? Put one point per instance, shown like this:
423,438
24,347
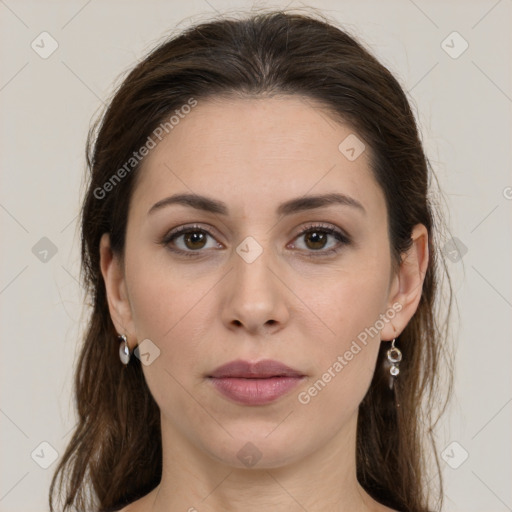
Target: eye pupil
319,239
195,237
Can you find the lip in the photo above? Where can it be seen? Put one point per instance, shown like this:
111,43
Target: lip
257,383
259,370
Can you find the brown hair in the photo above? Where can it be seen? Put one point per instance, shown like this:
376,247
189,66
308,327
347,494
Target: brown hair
115,454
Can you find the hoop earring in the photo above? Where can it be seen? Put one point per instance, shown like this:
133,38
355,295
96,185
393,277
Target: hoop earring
394,357
124,349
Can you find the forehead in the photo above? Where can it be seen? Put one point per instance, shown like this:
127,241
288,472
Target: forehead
254,152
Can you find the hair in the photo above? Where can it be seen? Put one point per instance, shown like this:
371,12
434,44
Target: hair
115,454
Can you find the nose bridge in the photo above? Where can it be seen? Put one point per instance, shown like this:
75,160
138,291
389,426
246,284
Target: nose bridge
252,262
255,294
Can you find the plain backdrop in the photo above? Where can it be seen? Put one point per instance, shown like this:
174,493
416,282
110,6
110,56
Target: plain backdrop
454,59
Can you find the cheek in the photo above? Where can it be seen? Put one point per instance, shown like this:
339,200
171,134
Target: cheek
174,309
166,307
352,311
159,294
350,300
343,368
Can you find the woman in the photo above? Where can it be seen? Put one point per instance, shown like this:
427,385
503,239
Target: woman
259,246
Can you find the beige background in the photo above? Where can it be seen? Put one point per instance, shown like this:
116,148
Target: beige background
464,108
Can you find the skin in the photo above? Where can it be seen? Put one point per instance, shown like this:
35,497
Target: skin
201,312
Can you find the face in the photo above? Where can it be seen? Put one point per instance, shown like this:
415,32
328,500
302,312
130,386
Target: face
311,288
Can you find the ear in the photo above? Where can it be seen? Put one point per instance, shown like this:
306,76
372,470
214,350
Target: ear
115,284
407,284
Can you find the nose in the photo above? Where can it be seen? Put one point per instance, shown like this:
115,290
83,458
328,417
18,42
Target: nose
256,298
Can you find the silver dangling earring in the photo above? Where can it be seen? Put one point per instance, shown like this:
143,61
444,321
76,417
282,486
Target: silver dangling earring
394,357
124,349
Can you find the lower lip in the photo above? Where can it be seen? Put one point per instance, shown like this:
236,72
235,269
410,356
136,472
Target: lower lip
255,391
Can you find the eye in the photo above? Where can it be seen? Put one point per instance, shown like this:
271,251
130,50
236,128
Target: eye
316,237
191,239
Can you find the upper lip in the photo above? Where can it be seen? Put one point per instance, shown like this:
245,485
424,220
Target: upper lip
259,370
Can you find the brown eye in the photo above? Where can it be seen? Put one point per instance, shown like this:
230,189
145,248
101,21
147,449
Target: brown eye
194,240
317,239
188,240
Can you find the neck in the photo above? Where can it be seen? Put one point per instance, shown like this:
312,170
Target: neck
325,480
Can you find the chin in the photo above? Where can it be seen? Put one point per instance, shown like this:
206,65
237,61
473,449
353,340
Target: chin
257,448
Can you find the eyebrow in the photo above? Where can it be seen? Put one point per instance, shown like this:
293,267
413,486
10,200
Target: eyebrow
289,207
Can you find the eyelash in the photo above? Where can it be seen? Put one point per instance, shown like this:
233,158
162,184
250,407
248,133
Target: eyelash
339,235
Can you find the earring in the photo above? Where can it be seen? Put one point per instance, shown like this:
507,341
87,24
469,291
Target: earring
124,349
394,357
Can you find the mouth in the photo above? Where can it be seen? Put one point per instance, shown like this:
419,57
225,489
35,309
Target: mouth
255,383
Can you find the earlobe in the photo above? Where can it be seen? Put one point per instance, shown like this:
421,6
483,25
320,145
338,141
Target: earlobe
408,282
117,297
